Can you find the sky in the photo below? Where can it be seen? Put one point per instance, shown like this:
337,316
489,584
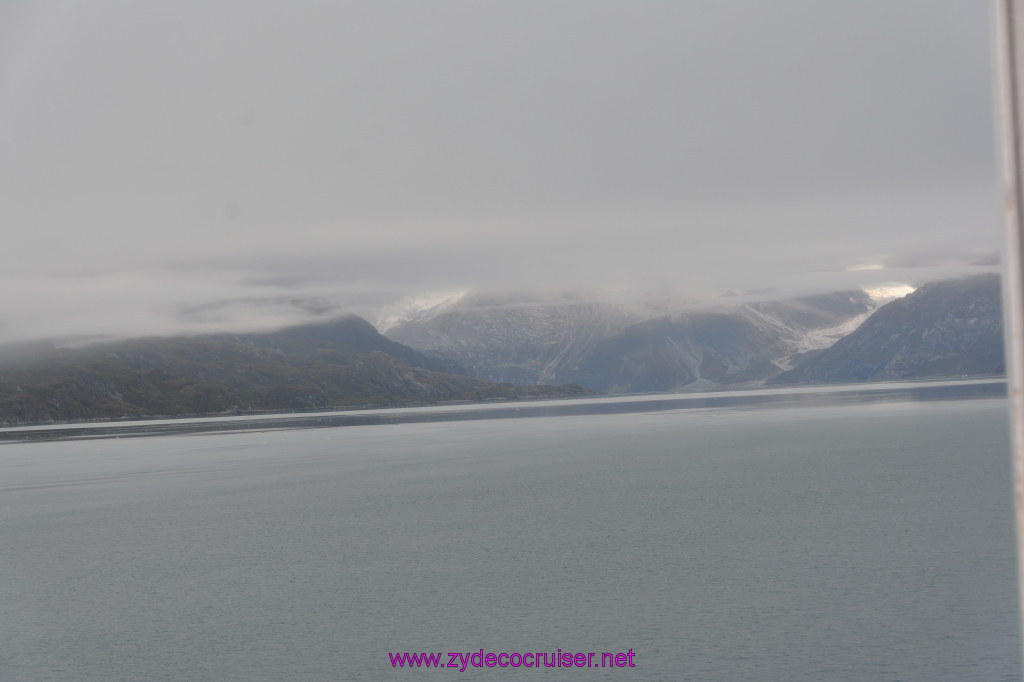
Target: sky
198,166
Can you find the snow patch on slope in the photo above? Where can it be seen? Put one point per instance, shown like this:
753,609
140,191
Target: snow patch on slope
816,339
417,307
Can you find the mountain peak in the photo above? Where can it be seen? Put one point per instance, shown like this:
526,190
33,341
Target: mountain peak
418,307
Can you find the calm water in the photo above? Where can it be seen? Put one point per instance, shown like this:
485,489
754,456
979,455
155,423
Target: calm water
779,541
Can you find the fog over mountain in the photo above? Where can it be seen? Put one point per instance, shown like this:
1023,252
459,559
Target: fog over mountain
653,346
212,167
478,347
949,328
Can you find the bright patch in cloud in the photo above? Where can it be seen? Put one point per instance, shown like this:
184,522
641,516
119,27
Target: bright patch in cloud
888,292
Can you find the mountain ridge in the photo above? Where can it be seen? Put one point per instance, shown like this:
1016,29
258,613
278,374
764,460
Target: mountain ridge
342,363
515,348
945,328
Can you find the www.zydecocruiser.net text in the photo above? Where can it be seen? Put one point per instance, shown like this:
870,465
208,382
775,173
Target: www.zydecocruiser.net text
530,659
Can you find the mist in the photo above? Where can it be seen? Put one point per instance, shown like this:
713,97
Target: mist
195,167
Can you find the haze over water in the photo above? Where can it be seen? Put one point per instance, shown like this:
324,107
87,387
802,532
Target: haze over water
869,541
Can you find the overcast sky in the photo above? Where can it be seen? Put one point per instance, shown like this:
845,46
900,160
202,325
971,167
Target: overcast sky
207,165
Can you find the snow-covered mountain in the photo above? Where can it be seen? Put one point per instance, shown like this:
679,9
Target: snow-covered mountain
518,339
626,347
948,328
717,346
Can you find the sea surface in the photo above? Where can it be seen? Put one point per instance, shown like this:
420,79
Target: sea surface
854,533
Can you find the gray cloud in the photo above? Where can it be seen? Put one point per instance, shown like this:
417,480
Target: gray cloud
187,154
